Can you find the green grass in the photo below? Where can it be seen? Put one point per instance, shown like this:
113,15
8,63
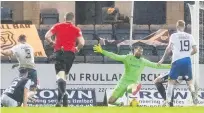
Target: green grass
104,110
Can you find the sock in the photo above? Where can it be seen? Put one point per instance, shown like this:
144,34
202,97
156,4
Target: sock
61,89
65,100
169,92
192,90
161,89
172,99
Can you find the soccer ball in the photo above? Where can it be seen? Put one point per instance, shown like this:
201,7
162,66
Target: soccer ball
134,103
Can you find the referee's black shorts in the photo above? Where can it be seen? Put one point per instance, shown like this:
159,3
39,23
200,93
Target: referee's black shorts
64,61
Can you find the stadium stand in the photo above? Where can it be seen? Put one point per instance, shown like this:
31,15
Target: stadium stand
79,59
124,49
104,31
88,31
110,48
93,59
140,31
6,15
122,31
49,16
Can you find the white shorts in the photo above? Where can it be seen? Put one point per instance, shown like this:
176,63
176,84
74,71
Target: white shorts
8,101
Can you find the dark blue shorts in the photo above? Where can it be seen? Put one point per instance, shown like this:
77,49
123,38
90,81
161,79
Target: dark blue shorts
32,74
181,68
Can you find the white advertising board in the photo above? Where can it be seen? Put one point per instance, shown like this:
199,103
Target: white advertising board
87,76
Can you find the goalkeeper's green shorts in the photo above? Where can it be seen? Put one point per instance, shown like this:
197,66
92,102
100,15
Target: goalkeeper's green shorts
120,89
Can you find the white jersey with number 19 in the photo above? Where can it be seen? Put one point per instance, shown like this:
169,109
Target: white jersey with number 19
24,54
182,43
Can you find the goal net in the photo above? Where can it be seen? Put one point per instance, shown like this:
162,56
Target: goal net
197,30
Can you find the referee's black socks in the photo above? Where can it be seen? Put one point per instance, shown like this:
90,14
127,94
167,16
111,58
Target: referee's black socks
61,92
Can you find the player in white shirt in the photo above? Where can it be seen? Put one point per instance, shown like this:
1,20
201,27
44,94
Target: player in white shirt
182,45
25,56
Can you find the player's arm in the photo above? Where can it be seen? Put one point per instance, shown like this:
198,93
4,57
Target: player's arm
80,40
194,51
49,34
26,91
167,51
155,65
98,49
194,47
7,52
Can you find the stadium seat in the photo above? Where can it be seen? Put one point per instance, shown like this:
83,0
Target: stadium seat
49,16
110,18
104,31
42,33
110,61
87,31
122,31
79,59
88,51
23,22
124,49
88,36
154,28
151,58
140,31
6,14
91,42
93,59
110,48
160,50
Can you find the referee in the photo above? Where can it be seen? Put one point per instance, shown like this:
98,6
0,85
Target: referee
67,35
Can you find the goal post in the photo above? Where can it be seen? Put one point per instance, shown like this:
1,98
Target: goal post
197,32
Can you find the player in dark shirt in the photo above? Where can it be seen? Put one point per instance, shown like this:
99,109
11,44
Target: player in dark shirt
18,91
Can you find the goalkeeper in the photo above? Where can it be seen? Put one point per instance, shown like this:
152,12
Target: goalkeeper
134,65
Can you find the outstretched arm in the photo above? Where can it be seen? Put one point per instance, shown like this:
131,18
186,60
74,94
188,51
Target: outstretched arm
155,65
7,52
113,55
98,49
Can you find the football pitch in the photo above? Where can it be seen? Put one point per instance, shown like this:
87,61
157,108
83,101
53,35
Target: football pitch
104,110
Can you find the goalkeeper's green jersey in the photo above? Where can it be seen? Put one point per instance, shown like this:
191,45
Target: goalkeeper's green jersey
133,66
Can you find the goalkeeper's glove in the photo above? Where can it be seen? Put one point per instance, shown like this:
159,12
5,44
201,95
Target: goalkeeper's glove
97,48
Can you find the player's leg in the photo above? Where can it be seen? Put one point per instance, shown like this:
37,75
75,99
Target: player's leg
189,81
160,87
69,59
61,83
7,101
32,74
193,91
134,88
173,76
169,93
117,93
60,75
